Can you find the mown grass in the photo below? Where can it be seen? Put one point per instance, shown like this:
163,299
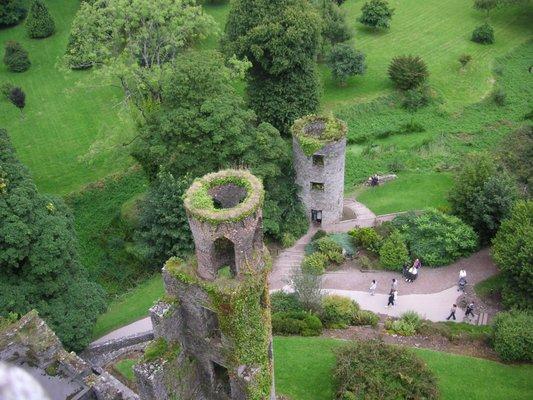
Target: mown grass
72,128
439,32
490,287
304,372
411,191
130,307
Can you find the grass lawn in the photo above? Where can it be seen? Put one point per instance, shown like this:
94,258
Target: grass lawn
125,368
439,32
130,307
72,129
411,191
303,372
491,286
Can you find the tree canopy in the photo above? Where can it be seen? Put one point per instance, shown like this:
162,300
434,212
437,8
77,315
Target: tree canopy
39,265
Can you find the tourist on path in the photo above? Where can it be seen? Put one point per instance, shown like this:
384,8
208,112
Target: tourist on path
452,313
373,287
469,311
392,297
394,285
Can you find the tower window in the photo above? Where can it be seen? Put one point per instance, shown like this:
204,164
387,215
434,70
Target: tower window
317,186
318,160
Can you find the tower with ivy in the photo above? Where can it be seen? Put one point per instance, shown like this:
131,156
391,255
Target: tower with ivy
212,329
319,152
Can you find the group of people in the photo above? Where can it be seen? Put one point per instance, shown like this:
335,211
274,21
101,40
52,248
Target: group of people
393,294
411,274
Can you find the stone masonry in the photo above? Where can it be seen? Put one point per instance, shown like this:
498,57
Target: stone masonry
320,176
216,326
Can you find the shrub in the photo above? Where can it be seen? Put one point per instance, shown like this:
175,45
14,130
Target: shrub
512,335
338,311
512,251
284,302
365,317
307,287
411,317
344,62
408,72
435,238
39,23
499,97
318,235
16,58
417,98
5,89
374,370
288,240
11,12
483,34
296,323
367,238
17,97
465,59
393,253
315,263
331,249
403,328
376,14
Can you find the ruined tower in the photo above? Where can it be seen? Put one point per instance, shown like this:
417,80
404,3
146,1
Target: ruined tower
215,317
319,150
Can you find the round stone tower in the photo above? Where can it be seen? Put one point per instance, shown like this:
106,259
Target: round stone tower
215,316
319,151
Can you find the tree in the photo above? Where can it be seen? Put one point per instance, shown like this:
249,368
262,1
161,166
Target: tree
38,256
483,34
335,29
16,58
486,5
134,41
408,72
163,226
280,38
376,14
201,125
17,97
39,23
482,196
344,61
11,12
512,250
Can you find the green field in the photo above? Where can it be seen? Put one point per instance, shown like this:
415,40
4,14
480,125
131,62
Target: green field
303,372
73,128
130,307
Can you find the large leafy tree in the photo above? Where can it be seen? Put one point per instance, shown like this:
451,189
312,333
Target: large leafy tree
280,38
516,155
335,29
200,125
39,265
134,40
344,61
513,252
482,196
11,12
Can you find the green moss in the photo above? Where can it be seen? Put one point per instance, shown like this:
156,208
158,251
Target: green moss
243,308
160,349
334,129
199,203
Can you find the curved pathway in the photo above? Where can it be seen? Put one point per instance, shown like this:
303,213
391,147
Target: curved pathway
431,295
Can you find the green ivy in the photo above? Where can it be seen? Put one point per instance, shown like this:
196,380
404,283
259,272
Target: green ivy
242,305
335,129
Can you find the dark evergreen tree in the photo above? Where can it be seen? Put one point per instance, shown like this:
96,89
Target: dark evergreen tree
16,58
408,72
39,266
280,38
39,23
11,12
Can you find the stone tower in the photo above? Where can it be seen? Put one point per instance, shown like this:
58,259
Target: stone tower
215,318
319,151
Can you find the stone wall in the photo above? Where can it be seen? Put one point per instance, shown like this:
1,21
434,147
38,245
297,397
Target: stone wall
330,174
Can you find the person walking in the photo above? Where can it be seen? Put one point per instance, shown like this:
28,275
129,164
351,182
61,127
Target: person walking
394,284
469,311
373,287
462,274
452,313
391,299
